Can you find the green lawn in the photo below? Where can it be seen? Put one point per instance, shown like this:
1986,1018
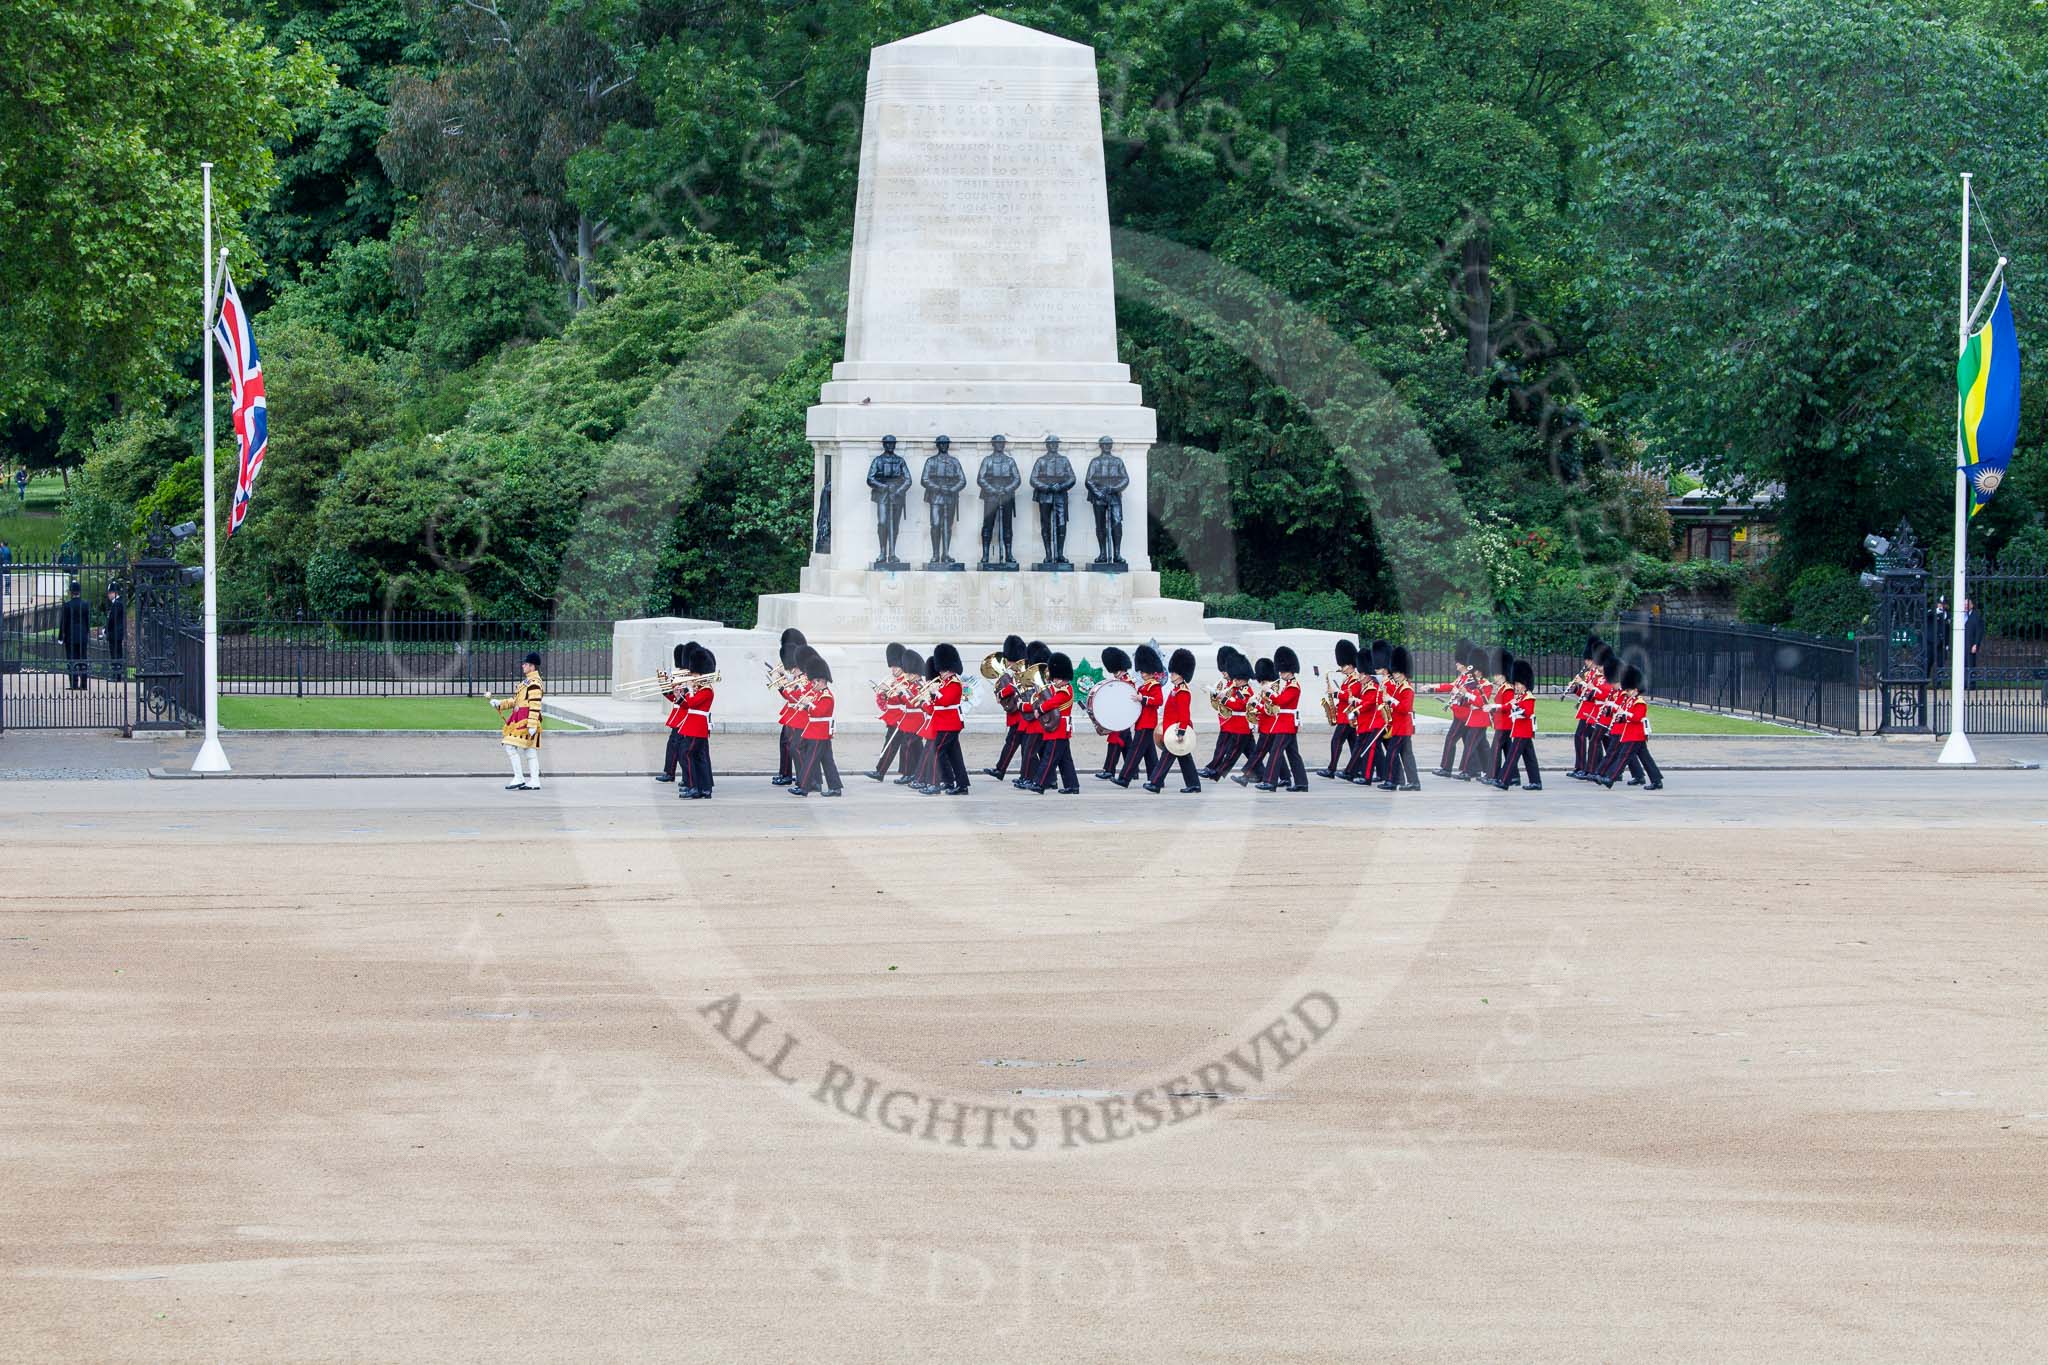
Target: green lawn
31,535
1559,716
363,713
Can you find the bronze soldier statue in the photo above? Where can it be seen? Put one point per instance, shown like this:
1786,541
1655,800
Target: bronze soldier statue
998,478
1107,480
943,479
888,484
1052,478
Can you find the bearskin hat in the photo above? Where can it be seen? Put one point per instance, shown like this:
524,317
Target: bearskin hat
814,665
948,657
1525,675
533,659
932,666
1610,664
1264,671
792,652
1060,667
1224,655
1631,679
1347,654
894,654
792,636
1037,653
701,659
1285,660
1240,667
1398,661
913,663
1465,651
1594,644
682,654
1013,648
1148,660
1114,660
1501,665
1182,664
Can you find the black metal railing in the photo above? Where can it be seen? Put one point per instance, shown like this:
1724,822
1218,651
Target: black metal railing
1705,664
409,654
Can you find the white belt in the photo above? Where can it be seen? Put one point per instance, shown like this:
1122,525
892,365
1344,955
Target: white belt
946,708
695,712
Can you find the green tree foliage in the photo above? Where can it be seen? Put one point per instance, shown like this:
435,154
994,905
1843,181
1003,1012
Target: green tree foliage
1775,264
106,110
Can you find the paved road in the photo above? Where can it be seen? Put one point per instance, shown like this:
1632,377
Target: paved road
1754,1067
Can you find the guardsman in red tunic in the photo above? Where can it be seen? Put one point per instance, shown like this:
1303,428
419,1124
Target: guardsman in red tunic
946,723
1602,741
910,720
1632,735
1460,690
1368,755
889,701
1235,724
693,731
1586,687
1265,681
1283,763
1521,713
1014,650
673,693
1117,665
1219,692
1030,722
789,683
925,778
1143,751
815,768
1342,692
1055,747
1500,721
1176,710
1399,747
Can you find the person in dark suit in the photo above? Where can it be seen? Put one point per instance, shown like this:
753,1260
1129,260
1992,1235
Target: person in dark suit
117,629
1940,628
74,633
1973,636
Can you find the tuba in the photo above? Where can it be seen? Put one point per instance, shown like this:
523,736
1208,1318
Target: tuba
993,665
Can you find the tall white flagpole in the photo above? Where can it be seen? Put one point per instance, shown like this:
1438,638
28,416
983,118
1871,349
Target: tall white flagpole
212,758
1957,749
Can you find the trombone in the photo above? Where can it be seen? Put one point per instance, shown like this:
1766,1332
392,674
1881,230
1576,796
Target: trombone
648,689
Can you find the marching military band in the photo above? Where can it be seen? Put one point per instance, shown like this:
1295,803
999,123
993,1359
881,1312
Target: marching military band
1142,706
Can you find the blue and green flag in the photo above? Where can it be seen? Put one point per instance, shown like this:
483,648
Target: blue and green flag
1988,376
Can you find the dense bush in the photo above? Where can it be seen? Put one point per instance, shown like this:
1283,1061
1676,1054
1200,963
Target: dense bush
1825,600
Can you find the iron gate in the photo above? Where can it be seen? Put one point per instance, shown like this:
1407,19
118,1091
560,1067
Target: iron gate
99,646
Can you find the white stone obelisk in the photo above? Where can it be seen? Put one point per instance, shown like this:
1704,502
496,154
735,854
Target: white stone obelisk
981,302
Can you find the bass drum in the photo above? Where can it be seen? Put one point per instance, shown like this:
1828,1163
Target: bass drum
1180,740
1114,706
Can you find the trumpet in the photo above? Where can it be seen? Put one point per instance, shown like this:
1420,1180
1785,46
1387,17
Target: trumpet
664,681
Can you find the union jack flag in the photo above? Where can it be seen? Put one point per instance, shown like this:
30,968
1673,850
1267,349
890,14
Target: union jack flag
245,380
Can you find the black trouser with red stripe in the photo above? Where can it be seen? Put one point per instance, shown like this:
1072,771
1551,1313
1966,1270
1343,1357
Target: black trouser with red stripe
1341,735
1283,762
1229,748
1113,759
673,755
1139,756
696,762
1056,759
892,747
814,760
1522,751
952,767
1498,758
1451,738
1255,766
1188,774
1011,743
1366,756
791,739
1399,753
1633,754
1478,750
1585,748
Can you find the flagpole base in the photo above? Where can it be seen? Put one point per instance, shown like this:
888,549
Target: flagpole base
1957,750
213,759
